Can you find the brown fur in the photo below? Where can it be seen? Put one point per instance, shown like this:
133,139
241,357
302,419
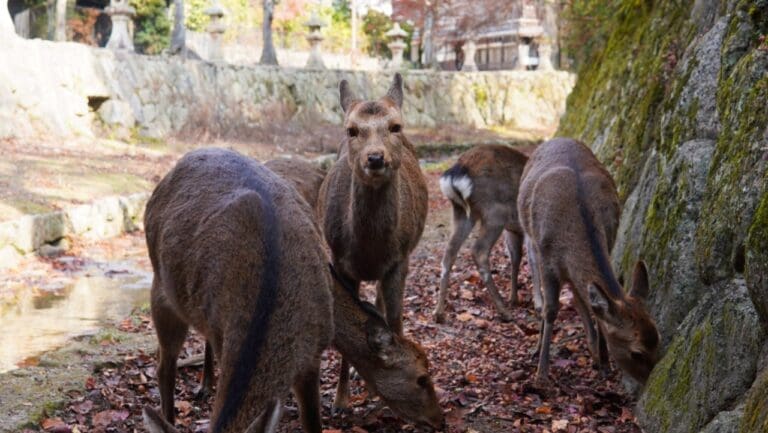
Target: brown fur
305,176
218,226
570,213
373,215
494,172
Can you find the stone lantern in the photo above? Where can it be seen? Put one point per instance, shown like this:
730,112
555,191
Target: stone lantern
121,13
216,29
469,48
315,60
528,28
396,36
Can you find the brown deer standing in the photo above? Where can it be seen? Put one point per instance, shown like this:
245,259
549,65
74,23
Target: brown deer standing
373,204
482,186
305,176
237,256
570,212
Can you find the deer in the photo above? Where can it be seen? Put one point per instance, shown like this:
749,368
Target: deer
305,176
569,209
373,204
482,187
234,208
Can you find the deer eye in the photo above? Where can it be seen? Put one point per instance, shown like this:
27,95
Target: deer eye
395,129
352,132
423,381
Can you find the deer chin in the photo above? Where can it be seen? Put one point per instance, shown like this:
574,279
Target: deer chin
375,177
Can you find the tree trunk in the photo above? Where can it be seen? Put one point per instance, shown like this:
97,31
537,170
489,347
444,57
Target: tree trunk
7,30
60,23
179,33
430,59
268,55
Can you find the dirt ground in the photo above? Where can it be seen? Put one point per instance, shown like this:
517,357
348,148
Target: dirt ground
483,369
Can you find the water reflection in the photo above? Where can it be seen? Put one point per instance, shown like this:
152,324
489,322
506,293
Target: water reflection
42,321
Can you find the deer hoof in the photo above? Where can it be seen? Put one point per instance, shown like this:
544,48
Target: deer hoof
439,317
506,315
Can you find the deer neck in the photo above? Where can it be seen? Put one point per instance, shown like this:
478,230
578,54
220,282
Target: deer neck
374,210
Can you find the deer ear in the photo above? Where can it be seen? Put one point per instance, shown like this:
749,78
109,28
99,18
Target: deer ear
395,91
156,423
602,304
640,287
381,340
346,97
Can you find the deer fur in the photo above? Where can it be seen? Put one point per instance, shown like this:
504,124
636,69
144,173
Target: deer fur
238,256
482,187
305,176
570,211
373,204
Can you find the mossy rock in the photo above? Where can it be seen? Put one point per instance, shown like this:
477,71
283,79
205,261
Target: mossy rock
710,364
756,265
755,417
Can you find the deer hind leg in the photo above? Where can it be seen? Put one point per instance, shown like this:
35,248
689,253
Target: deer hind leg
206,388
342,388
533,267
307,392
171,333
550,308
487,237
462,227
514,243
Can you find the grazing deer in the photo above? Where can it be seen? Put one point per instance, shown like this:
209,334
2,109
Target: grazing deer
570,213
305,176
373,203
238,256
482,186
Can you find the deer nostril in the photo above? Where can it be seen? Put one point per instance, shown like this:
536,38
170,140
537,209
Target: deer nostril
375,161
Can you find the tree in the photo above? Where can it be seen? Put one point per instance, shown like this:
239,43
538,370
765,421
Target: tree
153,28
7,31
268,54
178,36
375,25
60,24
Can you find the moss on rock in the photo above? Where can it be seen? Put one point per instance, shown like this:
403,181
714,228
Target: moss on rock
755,417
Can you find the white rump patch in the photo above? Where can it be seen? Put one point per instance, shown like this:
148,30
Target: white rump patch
449,185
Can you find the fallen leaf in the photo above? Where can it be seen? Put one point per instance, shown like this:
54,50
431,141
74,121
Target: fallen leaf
543,410
464,317
53,424
559,424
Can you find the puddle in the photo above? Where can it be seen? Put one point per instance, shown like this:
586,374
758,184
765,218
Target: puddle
45,319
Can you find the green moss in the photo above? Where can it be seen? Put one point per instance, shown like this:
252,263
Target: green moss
756,268
755,418
636,66
481,97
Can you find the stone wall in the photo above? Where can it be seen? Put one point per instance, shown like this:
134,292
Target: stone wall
61,88
675,106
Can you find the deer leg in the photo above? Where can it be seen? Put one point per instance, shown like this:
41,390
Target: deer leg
342,388
462,227
171,333
206,388
489,234
549,314
267,421
391,289
514,243
605,363
307,392
535,274
589,328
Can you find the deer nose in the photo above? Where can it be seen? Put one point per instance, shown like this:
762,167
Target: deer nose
375,161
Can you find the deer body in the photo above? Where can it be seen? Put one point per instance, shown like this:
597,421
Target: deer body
570,211
373,204
305,176
237,256
482,187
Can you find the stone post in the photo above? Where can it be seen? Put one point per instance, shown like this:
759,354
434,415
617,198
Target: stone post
315,60
469,48
396,36
545,57
415,44
523,49
216,29
121,13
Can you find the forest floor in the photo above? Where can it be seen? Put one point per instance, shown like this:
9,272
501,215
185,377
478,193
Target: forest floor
483,369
